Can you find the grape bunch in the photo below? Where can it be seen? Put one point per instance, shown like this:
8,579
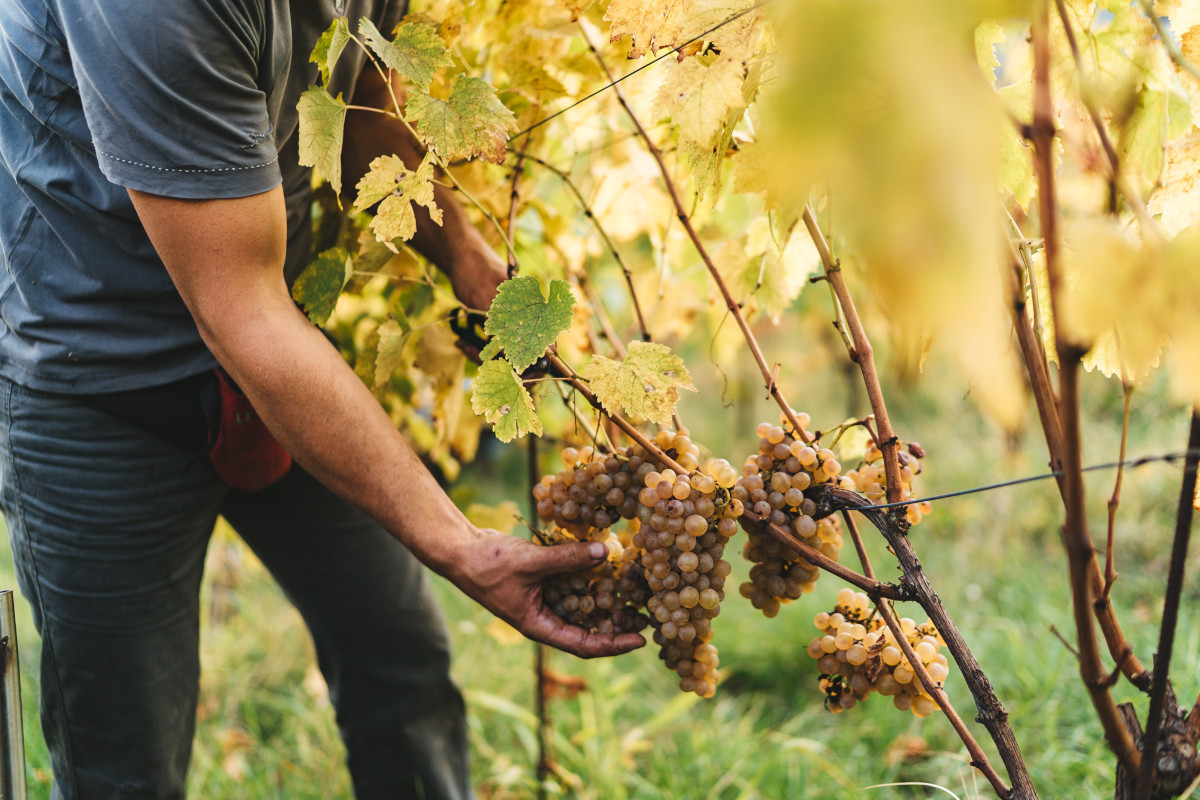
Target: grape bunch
773,485
668,560
605,599
870,481
857,654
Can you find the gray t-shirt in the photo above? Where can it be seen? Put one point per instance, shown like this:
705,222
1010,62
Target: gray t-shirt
181,98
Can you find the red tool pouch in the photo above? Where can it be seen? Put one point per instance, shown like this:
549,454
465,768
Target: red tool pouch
245,454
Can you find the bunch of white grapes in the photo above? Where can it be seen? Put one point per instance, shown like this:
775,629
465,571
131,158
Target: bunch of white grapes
774,485
870,481
675,542
606,599
857,654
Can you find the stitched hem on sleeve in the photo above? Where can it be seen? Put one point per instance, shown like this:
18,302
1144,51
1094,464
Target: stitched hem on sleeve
191,183
111,157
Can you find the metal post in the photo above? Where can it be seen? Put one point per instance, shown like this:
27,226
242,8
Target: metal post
12,739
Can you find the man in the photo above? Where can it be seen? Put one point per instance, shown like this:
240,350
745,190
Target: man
150,208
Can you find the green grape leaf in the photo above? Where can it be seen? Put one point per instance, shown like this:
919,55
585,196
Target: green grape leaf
501,398
523,322
645,385
390,355
399,188
322,125
319,285
470,122
417,52
330,46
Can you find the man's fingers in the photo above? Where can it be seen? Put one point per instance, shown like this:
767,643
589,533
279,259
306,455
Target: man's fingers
571,557
571,639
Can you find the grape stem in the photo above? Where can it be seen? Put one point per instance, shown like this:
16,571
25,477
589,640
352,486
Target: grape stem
1110,564
979,759
1077,540
862,354
874,589
859,547
992,715
1047,404
685,219
1166,635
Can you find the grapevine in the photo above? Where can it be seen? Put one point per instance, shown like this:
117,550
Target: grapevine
665,517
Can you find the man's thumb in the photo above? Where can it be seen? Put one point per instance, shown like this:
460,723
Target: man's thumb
571,557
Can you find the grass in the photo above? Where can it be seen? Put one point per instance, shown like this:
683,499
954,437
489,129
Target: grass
265,729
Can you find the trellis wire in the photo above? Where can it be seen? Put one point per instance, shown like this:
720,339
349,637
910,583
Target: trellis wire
698,37
1131,463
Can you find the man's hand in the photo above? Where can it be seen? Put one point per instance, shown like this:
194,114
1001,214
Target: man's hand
505,575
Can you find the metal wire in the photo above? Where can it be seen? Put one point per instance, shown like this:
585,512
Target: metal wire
647,65
1131,463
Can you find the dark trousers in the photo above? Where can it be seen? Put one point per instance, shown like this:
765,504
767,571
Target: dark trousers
109,525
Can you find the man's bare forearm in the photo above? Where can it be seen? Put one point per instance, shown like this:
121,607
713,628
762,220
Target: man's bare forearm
226,258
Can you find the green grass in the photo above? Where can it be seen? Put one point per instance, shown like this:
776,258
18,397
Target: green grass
266,731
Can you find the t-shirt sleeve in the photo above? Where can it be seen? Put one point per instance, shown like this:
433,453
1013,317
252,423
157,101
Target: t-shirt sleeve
175,95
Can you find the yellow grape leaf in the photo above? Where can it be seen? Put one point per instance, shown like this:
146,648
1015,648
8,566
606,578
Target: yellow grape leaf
1177,201
754,174
438,357
417,52
390,354
501,398
470,122
852,444
1147,292
399,188
464,436
987,35
645,385
322,125
697,97
660,24
1159,117
330,46
764,275
523,323
1184,14
577,7
444,366
320,284
1105,356
501,517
